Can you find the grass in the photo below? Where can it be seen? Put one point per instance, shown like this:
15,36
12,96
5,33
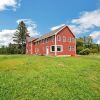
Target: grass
49,78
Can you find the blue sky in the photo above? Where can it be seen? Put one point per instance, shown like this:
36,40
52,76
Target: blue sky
45,14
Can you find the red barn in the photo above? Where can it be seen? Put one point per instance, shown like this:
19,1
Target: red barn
58,42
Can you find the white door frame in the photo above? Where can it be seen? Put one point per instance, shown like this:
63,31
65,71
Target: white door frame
47,50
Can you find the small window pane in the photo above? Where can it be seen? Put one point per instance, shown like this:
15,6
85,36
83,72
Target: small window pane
58,48
53,48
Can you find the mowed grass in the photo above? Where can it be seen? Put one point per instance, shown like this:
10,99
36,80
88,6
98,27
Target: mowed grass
49,78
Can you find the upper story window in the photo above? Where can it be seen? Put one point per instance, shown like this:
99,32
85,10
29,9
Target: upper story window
47,40
69,39
53,38
73,39
58,38
69,48
64,38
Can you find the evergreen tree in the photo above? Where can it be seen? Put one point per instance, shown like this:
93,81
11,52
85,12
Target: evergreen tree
20,36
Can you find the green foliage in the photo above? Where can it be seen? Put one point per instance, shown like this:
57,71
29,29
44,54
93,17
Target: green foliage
80,48
85,51
94,51
84,43
11,49
49,78
20,36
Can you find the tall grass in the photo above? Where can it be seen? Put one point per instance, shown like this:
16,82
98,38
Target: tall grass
49,78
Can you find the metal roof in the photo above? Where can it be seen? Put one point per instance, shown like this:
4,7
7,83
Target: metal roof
29,39
50,33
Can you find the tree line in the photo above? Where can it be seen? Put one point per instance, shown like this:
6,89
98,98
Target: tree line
84,45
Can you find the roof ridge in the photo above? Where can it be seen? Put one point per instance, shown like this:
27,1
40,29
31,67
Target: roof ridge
51,33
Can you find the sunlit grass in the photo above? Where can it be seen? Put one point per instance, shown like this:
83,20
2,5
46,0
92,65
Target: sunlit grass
49,78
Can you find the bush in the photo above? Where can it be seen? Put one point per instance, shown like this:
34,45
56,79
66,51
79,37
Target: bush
85,52
94,51
79,49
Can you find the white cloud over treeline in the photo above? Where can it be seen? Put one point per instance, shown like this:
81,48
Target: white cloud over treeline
6,35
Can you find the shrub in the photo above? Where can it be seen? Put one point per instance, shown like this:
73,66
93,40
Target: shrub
85,52
80,48
94,51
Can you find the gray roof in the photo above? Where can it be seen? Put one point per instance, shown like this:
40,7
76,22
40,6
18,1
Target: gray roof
50,33
29,39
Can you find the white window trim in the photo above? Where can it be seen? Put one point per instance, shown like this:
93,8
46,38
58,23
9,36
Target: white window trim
56,48
59,38
70,48
64,39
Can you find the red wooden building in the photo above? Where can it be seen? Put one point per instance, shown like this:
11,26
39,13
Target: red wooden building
58,42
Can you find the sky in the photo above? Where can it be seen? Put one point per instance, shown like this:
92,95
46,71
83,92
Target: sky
42,16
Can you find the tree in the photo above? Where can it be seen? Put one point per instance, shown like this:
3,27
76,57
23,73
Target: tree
20,36
88,41
79,44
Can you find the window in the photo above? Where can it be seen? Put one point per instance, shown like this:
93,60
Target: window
69,39
52,48
64,38
53,38
46,40
69,48
73,48
59,49
58,38
73,39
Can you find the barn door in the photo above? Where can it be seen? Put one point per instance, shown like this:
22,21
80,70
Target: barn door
47,50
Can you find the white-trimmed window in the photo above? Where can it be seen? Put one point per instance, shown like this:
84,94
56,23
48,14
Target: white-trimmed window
64,38
47,40
69,39
59,48
53,38
69,48
73,39
73,48
58,38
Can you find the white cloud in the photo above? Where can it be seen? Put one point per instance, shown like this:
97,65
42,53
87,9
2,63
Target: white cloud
56,27
86,22
96,36
5,4
6,36
31,26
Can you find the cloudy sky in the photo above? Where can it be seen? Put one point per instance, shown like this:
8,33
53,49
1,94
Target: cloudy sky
41,16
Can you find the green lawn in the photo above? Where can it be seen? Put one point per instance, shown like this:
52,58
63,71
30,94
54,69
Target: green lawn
49,78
